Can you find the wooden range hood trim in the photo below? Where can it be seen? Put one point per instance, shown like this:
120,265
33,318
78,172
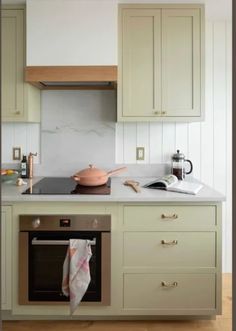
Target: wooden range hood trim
38,75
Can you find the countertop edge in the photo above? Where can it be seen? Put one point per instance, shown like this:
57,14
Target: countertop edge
8,200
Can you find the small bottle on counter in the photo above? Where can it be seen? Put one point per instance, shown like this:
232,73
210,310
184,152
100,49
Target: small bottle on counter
24,167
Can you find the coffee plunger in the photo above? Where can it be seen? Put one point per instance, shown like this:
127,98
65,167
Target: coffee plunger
178,165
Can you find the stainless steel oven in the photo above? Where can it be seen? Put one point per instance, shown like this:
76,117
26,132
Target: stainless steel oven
43,242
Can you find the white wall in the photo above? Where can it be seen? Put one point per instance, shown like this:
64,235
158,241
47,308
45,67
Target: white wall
71,32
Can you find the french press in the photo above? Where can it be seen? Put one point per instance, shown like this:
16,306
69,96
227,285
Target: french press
178,167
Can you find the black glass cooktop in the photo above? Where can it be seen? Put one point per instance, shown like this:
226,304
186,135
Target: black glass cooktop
66,185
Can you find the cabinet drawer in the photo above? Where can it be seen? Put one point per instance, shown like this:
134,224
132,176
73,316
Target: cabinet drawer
167,216
186,291
169,249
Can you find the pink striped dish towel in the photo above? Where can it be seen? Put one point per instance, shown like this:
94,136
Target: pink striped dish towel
76,272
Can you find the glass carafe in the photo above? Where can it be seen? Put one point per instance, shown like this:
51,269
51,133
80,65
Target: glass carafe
178,165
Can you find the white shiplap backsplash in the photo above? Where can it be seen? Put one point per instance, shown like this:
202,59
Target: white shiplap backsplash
206,144
23,135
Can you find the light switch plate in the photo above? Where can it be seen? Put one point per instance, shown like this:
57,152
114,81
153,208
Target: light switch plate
140,153
16,153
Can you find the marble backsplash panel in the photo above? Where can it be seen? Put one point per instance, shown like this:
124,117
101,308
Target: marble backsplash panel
78,128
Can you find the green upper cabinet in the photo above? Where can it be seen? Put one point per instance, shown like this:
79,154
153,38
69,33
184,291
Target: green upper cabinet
140,82
20,101
161,63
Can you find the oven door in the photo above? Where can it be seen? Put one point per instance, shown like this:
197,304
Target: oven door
42,255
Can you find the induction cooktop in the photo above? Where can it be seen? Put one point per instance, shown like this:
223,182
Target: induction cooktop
66,185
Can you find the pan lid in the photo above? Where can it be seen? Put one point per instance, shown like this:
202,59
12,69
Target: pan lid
91,172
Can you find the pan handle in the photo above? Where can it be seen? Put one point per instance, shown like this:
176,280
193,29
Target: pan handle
116,171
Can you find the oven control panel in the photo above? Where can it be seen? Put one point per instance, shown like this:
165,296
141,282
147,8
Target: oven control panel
81,222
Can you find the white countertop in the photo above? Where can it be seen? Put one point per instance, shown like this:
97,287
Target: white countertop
119,193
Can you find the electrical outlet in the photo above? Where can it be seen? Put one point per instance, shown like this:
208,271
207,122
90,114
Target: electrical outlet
140,153
16,153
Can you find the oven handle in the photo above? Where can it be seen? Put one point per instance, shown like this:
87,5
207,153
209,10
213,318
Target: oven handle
35,241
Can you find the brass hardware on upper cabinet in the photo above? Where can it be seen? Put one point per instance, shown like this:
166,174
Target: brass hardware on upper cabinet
17,112
171,217
168,285
173,242
157,112
163,113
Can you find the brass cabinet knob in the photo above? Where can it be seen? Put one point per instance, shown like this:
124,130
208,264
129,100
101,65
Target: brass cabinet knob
157,112
170,243
17,112
168,285
163,113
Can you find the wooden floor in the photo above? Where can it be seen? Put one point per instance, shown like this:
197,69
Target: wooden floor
222,323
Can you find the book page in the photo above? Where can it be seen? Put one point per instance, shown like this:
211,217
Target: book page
163,183
170,180
185,187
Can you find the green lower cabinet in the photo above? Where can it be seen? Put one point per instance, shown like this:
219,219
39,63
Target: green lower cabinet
184,292
165,249
165,259
172,259
6,257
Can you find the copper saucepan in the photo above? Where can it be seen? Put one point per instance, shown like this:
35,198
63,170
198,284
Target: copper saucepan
94,177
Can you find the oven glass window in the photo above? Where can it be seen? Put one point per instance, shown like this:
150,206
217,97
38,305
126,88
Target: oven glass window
46,265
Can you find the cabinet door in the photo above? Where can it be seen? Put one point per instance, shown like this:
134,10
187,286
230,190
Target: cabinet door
181,62
171,293
6,258
13,64
141,62
161,63
20,101
165,249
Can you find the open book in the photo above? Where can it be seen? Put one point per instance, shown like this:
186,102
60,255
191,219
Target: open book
171,183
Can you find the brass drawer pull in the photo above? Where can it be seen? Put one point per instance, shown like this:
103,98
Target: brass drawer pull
157,112
170,217
163,112
168,285
173,242
17,112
